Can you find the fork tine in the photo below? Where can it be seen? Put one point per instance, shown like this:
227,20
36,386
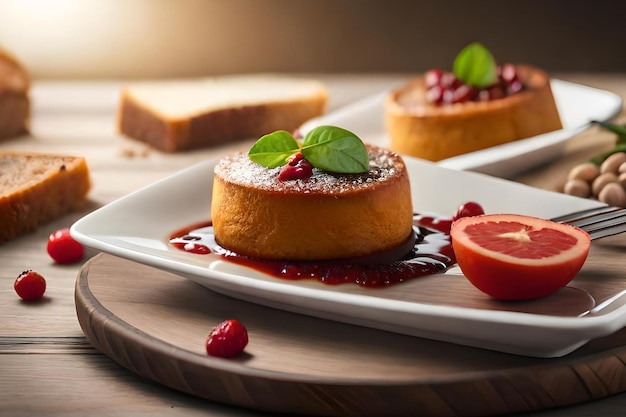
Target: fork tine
584,214
608,230
598,222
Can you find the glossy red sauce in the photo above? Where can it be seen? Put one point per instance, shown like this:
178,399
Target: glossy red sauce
428,251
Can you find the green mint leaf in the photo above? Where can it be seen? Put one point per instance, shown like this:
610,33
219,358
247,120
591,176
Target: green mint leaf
273,149
597,160
619,130
334,149
620,143
475,66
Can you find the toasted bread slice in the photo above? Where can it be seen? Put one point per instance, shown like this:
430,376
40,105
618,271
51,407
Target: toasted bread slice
175,116
38,188
14,100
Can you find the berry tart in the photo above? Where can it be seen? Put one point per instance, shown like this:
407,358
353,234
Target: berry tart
478,105
329,197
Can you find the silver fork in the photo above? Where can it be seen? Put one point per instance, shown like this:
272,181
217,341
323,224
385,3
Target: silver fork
599,222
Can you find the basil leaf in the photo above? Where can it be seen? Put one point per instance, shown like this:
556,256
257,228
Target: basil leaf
597,160
475,66
273,149
620,143
619,130
334,149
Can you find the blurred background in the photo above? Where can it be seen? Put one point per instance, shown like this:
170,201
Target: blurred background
129,39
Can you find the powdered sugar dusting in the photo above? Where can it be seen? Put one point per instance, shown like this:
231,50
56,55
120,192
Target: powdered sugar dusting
237,168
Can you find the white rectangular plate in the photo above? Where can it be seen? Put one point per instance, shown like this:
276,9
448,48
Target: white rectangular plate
442,306
578,105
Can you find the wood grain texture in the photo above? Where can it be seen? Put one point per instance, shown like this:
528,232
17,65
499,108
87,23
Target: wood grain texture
155,325
46,364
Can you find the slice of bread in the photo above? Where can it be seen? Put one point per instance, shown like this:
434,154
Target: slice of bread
14,100
182,115
38,188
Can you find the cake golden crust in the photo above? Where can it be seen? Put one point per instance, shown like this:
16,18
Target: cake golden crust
432,132
328,216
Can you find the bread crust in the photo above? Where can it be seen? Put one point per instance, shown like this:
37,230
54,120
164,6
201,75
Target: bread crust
140,120
60,185
14,97
296,220
432,132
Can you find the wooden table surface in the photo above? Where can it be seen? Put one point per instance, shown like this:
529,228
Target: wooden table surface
47,366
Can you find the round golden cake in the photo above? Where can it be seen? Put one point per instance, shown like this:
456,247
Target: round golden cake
328,216
436,132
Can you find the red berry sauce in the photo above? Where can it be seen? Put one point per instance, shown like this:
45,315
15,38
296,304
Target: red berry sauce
427,251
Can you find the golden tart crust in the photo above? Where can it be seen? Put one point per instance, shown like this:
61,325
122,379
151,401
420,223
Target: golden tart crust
433,132
329,216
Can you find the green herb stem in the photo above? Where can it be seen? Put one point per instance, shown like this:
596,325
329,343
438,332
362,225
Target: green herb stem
620,143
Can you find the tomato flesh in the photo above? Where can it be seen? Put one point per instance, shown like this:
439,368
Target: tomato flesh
520,240
513,257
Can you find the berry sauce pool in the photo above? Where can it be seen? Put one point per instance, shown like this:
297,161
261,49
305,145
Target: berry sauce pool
428,251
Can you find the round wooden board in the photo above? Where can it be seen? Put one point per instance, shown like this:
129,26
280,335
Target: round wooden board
155,324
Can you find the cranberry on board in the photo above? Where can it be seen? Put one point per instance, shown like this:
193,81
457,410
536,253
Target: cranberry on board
63,248
228,339
30,285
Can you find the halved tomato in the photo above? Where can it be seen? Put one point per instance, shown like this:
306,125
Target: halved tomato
517,257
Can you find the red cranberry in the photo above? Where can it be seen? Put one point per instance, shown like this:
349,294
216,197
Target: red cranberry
228,339
468,209
510,79
508,73
495,92
447,96
63,248
443,87
295,158
463,94
514,87
449,80
483,95
434,94
433,78
297,168
30,285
